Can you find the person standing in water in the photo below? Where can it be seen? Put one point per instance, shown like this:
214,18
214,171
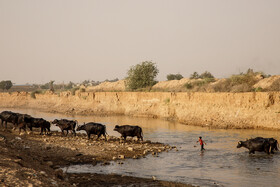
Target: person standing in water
201,142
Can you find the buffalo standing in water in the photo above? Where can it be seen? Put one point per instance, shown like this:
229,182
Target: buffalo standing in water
255,145
128,130
93,128
272,142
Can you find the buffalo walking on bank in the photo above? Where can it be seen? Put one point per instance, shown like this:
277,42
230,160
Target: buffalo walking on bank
129,130
23,121
66,125
30,122
8,116
93,128
40,123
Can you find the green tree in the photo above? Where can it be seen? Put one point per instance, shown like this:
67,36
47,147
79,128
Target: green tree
85,82
206,75
174,76
195,75
141,75
6,85
250,71
69,86
51,86
113,80
45,86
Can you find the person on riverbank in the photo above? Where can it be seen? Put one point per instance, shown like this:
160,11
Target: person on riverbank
201,142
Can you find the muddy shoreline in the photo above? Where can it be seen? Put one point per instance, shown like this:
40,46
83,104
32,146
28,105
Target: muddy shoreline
35,160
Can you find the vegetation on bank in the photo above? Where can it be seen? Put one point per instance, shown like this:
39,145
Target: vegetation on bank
243,82
174,77
142,77
33,94
6,85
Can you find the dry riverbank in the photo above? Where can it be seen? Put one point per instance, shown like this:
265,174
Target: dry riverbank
35,160
219,110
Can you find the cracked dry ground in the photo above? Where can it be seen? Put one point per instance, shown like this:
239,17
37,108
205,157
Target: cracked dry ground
35,160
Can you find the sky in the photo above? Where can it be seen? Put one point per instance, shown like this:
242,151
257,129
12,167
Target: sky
79,40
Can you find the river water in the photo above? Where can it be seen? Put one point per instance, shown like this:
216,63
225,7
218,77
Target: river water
221,164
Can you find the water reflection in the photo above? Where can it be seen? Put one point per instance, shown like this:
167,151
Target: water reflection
220,164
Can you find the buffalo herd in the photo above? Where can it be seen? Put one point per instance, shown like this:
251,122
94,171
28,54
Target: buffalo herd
23,121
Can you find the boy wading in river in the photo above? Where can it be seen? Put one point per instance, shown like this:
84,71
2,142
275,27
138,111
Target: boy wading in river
201,142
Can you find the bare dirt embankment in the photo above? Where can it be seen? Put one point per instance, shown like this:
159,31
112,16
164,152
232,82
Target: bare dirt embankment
221,110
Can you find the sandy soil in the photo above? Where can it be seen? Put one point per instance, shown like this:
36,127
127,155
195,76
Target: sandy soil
35,160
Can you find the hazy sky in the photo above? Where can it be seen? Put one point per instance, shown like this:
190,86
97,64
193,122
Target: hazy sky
67,40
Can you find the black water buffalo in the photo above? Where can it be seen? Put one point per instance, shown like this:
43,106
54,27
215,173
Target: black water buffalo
40,123
93,128
272,142
65,124
128,130
8,116
255,145
23,121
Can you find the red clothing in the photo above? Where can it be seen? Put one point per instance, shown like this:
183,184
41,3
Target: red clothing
200,141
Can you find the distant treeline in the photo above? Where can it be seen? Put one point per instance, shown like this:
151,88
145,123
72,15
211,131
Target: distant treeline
142,77
8,86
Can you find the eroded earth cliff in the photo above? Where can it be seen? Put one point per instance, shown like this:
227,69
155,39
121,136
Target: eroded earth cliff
223,110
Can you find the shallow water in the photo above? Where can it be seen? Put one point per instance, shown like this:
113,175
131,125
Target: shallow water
221,164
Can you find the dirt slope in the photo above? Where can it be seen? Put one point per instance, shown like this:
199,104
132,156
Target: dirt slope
108,86
267,83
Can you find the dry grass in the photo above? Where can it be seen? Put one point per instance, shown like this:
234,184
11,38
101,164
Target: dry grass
237,83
